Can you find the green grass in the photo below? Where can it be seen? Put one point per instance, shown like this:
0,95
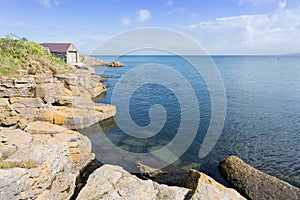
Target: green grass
22,54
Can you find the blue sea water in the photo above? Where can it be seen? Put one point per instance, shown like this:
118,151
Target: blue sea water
262,124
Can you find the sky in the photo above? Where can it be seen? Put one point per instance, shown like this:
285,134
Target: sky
222,27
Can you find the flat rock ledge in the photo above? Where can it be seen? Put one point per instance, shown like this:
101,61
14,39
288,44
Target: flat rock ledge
255,184
41,162
113,182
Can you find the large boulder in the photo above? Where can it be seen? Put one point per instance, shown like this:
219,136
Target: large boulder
205,187
41,166
255,184
113,182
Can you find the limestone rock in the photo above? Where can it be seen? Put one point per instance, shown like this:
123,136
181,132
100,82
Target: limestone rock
22,124
113,182
115,64
255,184
205,187
17,87
8,116
96,91
146,171
39,127
28,108
42,166
16,136
82,115
90,61
48,91
27,102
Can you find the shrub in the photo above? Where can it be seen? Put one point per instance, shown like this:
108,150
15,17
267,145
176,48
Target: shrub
22,53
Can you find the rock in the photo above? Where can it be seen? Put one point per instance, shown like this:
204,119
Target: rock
64,100
90,61
39,127
113,182
82,115
205,187
8,116
46,114
146,171
22,124
42,166
115,64
255,184
96,91
17,102
48,91
17,87
17,136
85,67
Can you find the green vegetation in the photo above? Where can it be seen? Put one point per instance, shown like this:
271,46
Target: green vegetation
25,55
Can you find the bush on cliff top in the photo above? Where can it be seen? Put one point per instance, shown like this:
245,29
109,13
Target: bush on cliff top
22,54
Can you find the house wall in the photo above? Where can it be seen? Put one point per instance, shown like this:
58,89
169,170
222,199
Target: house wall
72,49
61,56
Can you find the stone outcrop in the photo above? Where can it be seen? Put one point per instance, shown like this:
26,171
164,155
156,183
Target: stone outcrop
113,182
62,99
18,87
255,184
90,61
205,187
115,64
41,162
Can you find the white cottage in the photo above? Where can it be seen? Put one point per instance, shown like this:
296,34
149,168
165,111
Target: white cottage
67,52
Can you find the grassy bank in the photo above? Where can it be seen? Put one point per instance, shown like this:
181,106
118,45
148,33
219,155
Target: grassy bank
21,54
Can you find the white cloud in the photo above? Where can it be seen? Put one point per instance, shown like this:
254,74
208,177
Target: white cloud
144,15
170,3
126,21
282,4
261,33
48,3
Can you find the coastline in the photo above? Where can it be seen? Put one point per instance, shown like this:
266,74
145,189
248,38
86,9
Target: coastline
42,155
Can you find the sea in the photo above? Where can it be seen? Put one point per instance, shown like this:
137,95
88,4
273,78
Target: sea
161,97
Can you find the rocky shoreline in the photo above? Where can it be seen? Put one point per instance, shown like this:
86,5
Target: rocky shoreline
42,156
91,61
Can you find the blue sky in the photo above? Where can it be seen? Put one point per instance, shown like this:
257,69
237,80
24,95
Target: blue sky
220,26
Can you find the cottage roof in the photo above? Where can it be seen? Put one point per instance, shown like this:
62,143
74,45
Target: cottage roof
57,47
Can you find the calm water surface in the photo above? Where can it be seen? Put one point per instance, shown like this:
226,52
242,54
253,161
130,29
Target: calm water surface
262,123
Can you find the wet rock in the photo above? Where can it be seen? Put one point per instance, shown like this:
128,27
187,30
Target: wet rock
113,182
148,172
205,187
255,184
